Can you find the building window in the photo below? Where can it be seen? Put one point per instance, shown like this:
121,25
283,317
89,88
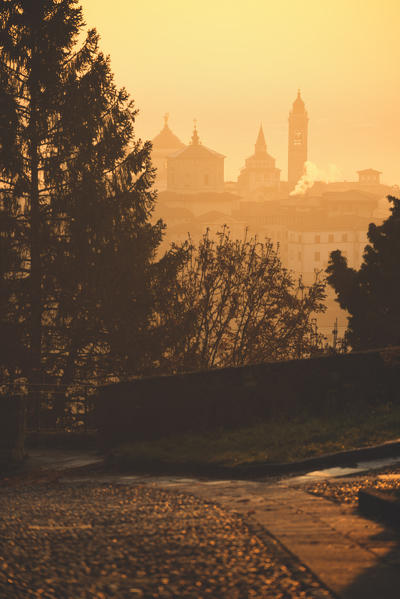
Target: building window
344,237
317,239
317,256
299,255
331,238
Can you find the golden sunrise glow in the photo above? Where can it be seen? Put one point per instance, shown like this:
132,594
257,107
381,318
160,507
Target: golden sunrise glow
234,64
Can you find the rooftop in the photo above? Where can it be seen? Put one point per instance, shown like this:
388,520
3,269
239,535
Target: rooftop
166,139
196,150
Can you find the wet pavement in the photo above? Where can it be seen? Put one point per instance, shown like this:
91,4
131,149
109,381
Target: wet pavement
306,535
354,557
345,471
60,459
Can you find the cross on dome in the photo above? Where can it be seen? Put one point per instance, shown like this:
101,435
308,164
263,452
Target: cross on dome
195,136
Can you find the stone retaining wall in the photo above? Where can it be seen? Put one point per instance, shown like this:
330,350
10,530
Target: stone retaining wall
233,397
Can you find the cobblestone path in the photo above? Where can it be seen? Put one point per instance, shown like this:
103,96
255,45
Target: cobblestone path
103,540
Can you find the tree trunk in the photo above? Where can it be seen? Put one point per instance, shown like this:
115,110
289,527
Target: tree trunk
35,375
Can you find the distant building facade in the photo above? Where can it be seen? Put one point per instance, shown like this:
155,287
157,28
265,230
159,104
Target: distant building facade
298,141
195,169
259,174
195,189
310,244
165,144
307,228
368,182
369,176
200,203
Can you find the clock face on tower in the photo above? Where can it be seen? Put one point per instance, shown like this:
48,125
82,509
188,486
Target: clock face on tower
298,138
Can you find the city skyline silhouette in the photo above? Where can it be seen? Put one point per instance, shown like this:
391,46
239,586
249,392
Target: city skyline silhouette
232,68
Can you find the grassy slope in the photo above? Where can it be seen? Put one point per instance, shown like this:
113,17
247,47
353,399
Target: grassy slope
278,440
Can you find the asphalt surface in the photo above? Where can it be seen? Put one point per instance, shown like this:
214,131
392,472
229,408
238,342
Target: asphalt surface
101,540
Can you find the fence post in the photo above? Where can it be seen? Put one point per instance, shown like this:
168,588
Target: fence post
12,426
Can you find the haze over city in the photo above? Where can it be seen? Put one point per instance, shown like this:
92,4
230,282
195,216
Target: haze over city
199,299
232,68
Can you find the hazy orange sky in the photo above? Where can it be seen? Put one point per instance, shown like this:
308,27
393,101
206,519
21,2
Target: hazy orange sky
232,64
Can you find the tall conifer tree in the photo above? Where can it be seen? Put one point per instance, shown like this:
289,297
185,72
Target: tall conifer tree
76,190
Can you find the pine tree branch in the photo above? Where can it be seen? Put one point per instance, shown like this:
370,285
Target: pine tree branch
15,73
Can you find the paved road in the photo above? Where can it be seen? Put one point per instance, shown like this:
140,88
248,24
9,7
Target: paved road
69,534
107,540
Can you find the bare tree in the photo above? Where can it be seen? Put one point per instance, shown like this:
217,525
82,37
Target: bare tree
234,303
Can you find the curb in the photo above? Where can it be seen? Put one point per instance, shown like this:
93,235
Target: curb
341,458
254,471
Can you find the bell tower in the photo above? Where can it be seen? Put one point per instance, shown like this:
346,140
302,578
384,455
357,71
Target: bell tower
298,140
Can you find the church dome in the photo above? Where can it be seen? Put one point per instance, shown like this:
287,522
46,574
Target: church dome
166,139
195,169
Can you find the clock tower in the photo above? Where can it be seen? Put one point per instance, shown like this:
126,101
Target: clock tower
298,138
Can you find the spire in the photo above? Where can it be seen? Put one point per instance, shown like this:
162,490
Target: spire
166,117
195,136
260,146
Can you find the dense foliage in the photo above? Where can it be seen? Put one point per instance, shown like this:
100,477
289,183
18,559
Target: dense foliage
371,294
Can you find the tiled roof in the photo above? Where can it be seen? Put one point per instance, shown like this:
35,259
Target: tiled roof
370,171
196,151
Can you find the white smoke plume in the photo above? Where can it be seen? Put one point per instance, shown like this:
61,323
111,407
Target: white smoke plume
312,174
